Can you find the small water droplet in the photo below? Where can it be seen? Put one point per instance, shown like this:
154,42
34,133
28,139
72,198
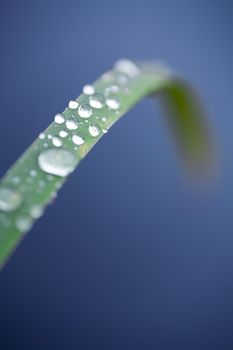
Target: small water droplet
15,180
59,119
56,141
23,223
105,131
73,104
122,79
36,211
97,101
94,130
9,199
57,161
42,136
63,133
107,76
104,119
72,123
128,67
88,90
85,111
113,102
111,89
78,140
50,177
33,173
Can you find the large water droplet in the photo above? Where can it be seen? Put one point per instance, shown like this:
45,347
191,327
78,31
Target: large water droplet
59,119
73,104
88,90
128,67
97,100
78,140
9,199
72,123
85,111
113,102
94,130
57,161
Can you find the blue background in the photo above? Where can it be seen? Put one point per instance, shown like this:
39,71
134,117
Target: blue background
134,254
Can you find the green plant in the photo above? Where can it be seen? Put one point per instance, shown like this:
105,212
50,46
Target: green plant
30,185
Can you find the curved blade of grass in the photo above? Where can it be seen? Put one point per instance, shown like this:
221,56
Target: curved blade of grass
29,186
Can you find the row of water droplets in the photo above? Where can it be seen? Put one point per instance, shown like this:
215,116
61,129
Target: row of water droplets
82,122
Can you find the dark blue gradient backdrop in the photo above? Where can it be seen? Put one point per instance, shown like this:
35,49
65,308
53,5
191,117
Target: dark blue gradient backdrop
134,254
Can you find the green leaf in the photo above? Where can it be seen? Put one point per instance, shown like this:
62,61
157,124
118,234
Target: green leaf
34,180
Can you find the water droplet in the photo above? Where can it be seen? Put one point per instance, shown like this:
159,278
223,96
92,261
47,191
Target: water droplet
9,199
122,79
111,89
113,102
33,173
88,90
42,136
36,211
59,119
41,183
15,180
85,111
128,67
104,119
105,131
63,133
23,223
72,123
94,130
97,100
73,104
107,76
57,161
57,142
50,177
77,140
